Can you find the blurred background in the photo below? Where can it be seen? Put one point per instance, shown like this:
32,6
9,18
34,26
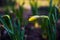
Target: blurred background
31,33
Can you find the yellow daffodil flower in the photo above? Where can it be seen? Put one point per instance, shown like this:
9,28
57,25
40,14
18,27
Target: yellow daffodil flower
39,2
36,25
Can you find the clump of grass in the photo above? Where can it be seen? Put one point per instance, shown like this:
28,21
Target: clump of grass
48,25
14,30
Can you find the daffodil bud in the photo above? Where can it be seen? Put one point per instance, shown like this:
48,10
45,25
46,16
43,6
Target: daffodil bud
36,17
6,16
33,18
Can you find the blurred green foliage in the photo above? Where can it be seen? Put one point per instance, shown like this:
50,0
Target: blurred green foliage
14,30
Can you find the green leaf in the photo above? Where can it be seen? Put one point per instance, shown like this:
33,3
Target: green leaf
34,7
7,23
